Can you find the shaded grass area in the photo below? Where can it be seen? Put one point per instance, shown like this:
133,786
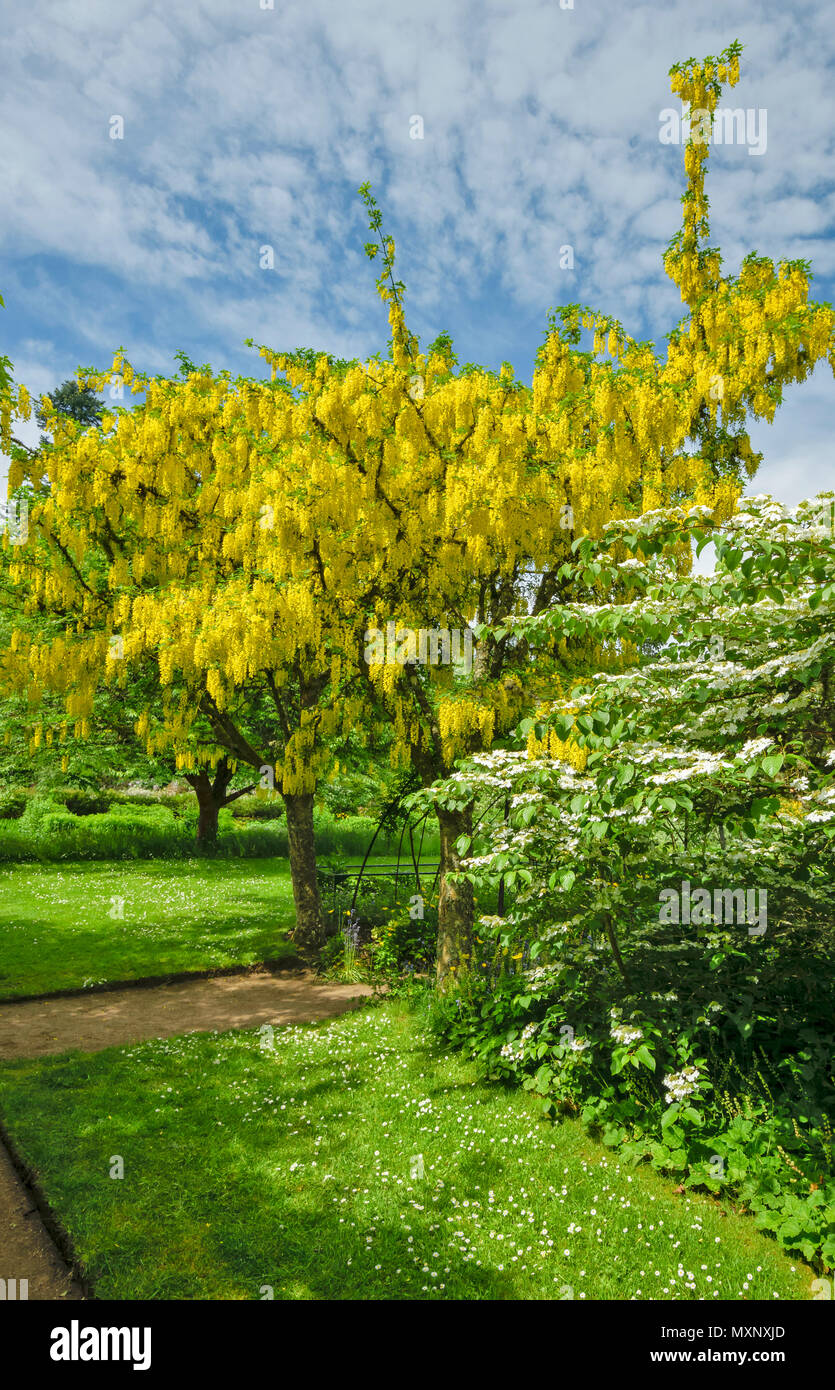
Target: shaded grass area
353,1160
70,925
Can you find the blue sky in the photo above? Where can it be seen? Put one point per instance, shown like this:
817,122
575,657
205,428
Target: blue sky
246,127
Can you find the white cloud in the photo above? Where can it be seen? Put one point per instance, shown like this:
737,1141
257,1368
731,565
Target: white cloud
246,127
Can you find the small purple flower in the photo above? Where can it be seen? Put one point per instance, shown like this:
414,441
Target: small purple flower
352,930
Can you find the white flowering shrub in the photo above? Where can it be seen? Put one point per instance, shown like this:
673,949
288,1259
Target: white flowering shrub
668,855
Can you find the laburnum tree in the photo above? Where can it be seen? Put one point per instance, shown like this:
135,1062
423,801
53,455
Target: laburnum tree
37,748
110,740
244,534
516,473
145,536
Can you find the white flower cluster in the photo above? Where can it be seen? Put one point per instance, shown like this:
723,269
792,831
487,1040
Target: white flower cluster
515,1051
579,1044
754,747
537,973
707,763
624,1034
824,797
679,1085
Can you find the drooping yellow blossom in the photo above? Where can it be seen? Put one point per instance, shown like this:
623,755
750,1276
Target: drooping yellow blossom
240,537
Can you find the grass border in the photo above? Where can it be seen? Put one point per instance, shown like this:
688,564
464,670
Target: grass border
54,1227
271,963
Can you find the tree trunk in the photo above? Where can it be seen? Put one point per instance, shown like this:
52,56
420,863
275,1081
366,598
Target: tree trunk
455,900
611,934
302,852
207,815
211,795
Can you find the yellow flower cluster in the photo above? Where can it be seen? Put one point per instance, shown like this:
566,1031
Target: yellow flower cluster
239,536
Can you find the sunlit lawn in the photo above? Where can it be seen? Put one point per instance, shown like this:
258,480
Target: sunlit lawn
64,926
71,925
353,1161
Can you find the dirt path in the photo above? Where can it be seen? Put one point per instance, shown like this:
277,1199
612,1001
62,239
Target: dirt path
27,1251
95,1021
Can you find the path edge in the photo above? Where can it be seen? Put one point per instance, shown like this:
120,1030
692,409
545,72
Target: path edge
272,963
54,1227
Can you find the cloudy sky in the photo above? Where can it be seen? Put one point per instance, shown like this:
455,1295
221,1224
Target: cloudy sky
246,126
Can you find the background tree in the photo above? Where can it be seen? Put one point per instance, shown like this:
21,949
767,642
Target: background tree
79,403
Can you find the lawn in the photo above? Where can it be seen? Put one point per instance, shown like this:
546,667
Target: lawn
353,1160
57,931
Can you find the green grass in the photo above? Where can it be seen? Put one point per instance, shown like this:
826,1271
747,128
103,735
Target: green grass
56,931
296,1168
165,828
